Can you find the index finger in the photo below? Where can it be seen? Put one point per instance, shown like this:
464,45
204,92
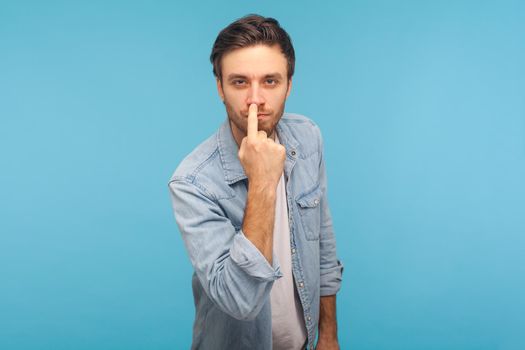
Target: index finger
252,121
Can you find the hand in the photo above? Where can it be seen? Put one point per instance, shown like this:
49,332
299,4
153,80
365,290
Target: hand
261,158
323,344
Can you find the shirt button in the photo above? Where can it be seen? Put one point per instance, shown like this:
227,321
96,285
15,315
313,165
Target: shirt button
293,153
316,201
293,250
309,318
301,284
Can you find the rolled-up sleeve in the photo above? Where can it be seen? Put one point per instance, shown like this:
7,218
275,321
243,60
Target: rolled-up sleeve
330,266
246,255
233,272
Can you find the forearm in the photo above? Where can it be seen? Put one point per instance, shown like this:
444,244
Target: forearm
259,217
327,319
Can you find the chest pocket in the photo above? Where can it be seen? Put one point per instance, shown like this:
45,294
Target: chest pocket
310,212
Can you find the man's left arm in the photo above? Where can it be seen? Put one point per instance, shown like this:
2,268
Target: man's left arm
331,268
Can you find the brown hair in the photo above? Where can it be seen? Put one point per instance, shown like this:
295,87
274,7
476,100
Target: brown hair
248,31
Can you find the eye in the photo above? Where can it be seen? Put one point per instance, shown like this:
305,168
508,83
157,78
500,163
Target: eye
238,82
271,81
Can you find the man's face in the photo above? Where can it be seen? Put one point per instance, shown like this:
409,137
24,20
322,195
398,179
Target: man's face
255,74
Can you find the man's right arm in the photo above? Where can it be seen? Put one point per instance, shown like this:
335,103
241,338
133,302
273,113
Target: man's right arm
263,163
236,276
236,269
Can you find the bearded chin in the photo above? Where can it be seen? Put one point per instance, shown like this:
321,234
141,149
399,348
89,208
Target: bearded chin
266,127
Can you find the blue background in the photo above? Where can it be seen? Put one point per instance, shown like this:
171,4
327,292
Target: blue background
423,113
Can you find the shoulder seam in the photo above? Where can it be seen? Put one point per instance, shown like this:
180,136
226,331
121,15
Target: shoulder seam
191,181
191,178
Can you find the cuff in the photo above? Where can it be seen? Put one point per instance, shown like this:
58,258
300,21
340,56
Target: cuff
331,279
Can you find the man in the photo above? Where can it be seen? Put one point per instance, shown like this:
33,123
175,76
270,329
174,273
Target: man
251,205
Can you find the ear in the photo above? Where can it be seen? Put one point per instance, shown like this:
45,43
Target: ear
220,90
289,89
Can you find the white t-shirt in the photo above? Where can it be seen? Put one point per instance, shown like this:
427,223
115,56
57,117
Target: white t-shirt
288,328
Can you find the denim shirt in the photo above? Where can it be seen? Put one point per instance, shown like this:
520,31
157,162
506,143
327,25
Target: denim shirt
232,280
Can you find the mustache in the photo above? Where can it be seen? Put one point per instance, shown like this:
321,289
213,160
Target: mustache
258,112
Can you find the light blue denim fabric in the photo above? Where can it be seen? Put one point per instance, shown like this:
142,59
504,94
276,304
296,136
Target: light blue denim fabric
232,279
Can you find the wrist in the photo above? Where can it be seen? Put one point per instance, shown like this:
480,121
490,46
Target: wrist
328,334
331,338
262,187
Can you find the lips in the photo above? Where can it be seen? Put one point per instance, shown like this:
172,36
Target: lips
260,115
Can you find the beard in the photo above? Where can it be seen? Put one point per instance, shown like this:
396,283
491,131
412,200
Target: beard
239,120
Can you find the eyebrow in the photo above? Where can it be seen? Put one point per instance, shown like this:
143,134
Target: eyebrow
271,75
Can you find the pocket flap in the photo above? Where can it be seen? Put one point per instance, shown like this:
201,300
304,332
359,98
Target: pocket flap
310,199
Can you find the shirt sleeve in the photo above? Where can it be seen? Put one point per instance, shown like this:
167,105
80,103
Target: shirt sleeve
233,272
330,266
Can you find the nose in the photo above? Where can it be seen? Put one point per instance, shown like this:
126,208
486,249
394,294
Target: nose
255,95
